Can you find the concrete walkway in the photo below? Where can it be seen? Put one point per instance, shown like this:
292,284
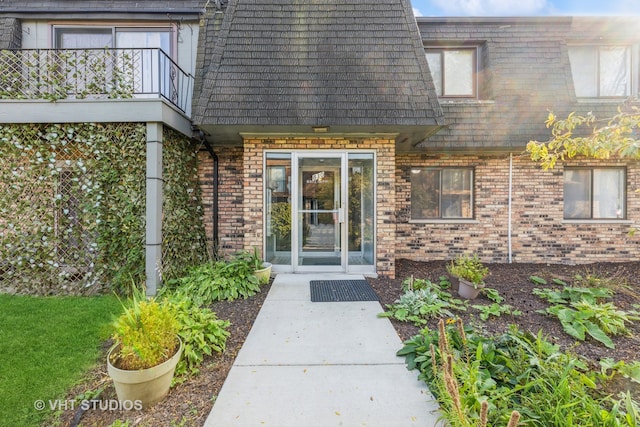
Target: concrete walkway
320,364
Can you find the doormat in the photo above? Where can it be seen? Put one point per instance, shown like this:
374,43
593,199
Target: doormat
341,291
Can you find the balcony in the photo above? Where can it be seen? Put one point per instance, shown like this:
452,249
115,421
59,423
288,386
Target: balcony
60,74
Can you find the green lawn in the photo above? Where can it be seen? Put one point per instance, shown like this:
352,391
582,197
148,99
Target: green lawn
46,344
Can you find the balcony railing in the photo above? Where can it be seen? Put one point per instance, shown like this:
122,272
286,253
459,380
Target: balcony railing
56,74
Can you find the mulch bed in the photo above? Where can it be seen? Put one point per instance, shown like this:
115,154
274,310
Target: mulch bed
189,404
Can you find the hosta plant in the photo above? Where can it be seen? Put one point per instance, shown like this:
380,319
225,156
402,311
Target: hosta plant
418,305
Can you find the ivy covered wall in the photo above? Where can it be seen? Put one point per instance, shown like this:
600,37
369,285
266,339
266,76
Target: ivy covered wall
72,207
183,235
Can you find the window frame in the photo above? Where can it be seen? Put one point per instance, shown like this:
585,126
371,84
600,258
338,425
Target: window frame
631,69
58,29
591,170
441,217
475,68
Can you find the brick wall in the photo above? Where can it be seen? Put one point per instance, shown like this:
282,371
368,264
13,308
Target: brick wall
252,209
539,233
230,198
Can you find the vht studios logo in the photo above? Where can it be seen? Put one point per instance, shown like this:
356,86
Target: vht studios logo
86,405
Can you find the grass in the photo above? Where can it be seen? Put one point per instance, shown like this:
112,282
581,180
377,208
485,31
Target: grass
47,345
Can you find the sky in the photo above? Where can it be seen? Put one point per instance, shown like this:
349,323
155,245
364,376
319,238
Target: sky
525,7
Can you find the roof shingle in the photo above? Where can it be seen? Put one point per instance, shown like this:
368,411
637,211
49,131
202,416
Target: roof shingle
347,64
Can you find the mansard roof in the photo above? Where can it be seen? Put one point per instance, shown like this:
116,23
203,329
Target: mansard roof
287,66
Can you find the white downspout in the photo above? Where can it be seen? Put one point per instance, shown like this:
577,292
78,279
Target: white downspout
510,190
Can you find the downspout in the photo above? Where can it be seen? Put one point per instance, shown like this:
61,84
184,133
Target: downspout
214,218
510,190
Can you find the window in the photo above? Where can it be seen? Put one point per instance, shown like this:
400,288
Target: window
108,37
601,71
151,72
453,71
439,193
594,193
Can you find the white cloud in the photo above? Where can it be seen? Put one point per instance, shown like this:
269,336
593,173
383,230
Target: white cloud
417,12
491,7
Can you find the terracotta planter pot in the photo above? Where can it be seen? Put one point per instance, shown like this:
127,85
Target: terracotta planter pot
147,386
264,274
466,289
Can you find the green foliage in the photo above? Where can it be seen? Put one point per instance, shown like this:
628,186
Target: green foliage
496,309
202,333
422,300
145,335
580,312
281,224
183,235
217,281
538,280
72,207
252,258
468,371
56,74
469,268
48,343
628,370
587,136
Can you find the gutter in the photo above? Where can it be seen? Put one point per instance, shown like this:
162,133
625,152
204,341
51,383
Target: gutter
216,181
510,205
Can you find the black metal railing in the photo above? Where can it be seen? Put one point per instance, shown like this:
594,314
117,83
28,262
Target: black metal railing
56,74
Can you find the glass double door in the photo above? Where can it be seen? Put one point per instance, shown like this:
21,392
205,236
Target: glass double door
328,197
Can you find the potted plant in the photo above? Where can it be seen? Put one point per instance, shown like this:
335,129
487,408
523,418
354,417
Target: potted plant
261,269
470,273
145,352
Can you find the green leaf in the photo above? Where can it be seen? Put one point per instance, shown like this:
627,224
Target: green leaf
597,334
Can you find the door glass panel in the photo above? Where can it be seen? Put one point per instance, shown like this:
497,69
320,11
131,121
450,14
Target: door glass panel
152,69
361,209
278,208
319,203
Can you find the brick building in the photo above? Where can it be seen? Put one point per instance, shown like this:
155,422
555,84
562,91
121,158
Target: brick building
341,136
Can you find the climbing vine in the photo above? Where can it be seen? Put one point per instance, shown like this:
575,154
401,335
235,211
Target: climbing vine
72,207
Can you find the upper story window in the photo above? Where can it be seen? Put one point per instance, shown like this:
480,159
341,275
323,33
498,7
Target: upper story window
453,71
441,193
113,37
594,193
601,71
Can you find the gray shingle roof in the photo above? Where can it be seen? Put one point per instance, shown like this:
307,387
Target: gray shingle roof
354,65
111,6
524,72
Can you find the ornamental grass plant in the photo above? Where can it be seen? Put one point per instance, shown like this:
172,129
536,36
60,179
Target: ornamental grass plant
146,334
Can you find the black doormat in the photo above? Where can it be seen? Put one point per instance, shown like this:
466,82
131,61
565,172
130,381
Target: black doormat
341,290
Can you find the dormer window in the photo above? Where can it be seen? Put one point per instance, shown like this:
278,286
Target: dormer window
601,71
453,71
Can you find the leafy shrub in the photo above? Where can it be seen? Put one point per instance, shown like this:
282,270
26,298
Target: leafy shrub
202,333
418,305
496,308
145,334
580,312
480,380
469,268
217,281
